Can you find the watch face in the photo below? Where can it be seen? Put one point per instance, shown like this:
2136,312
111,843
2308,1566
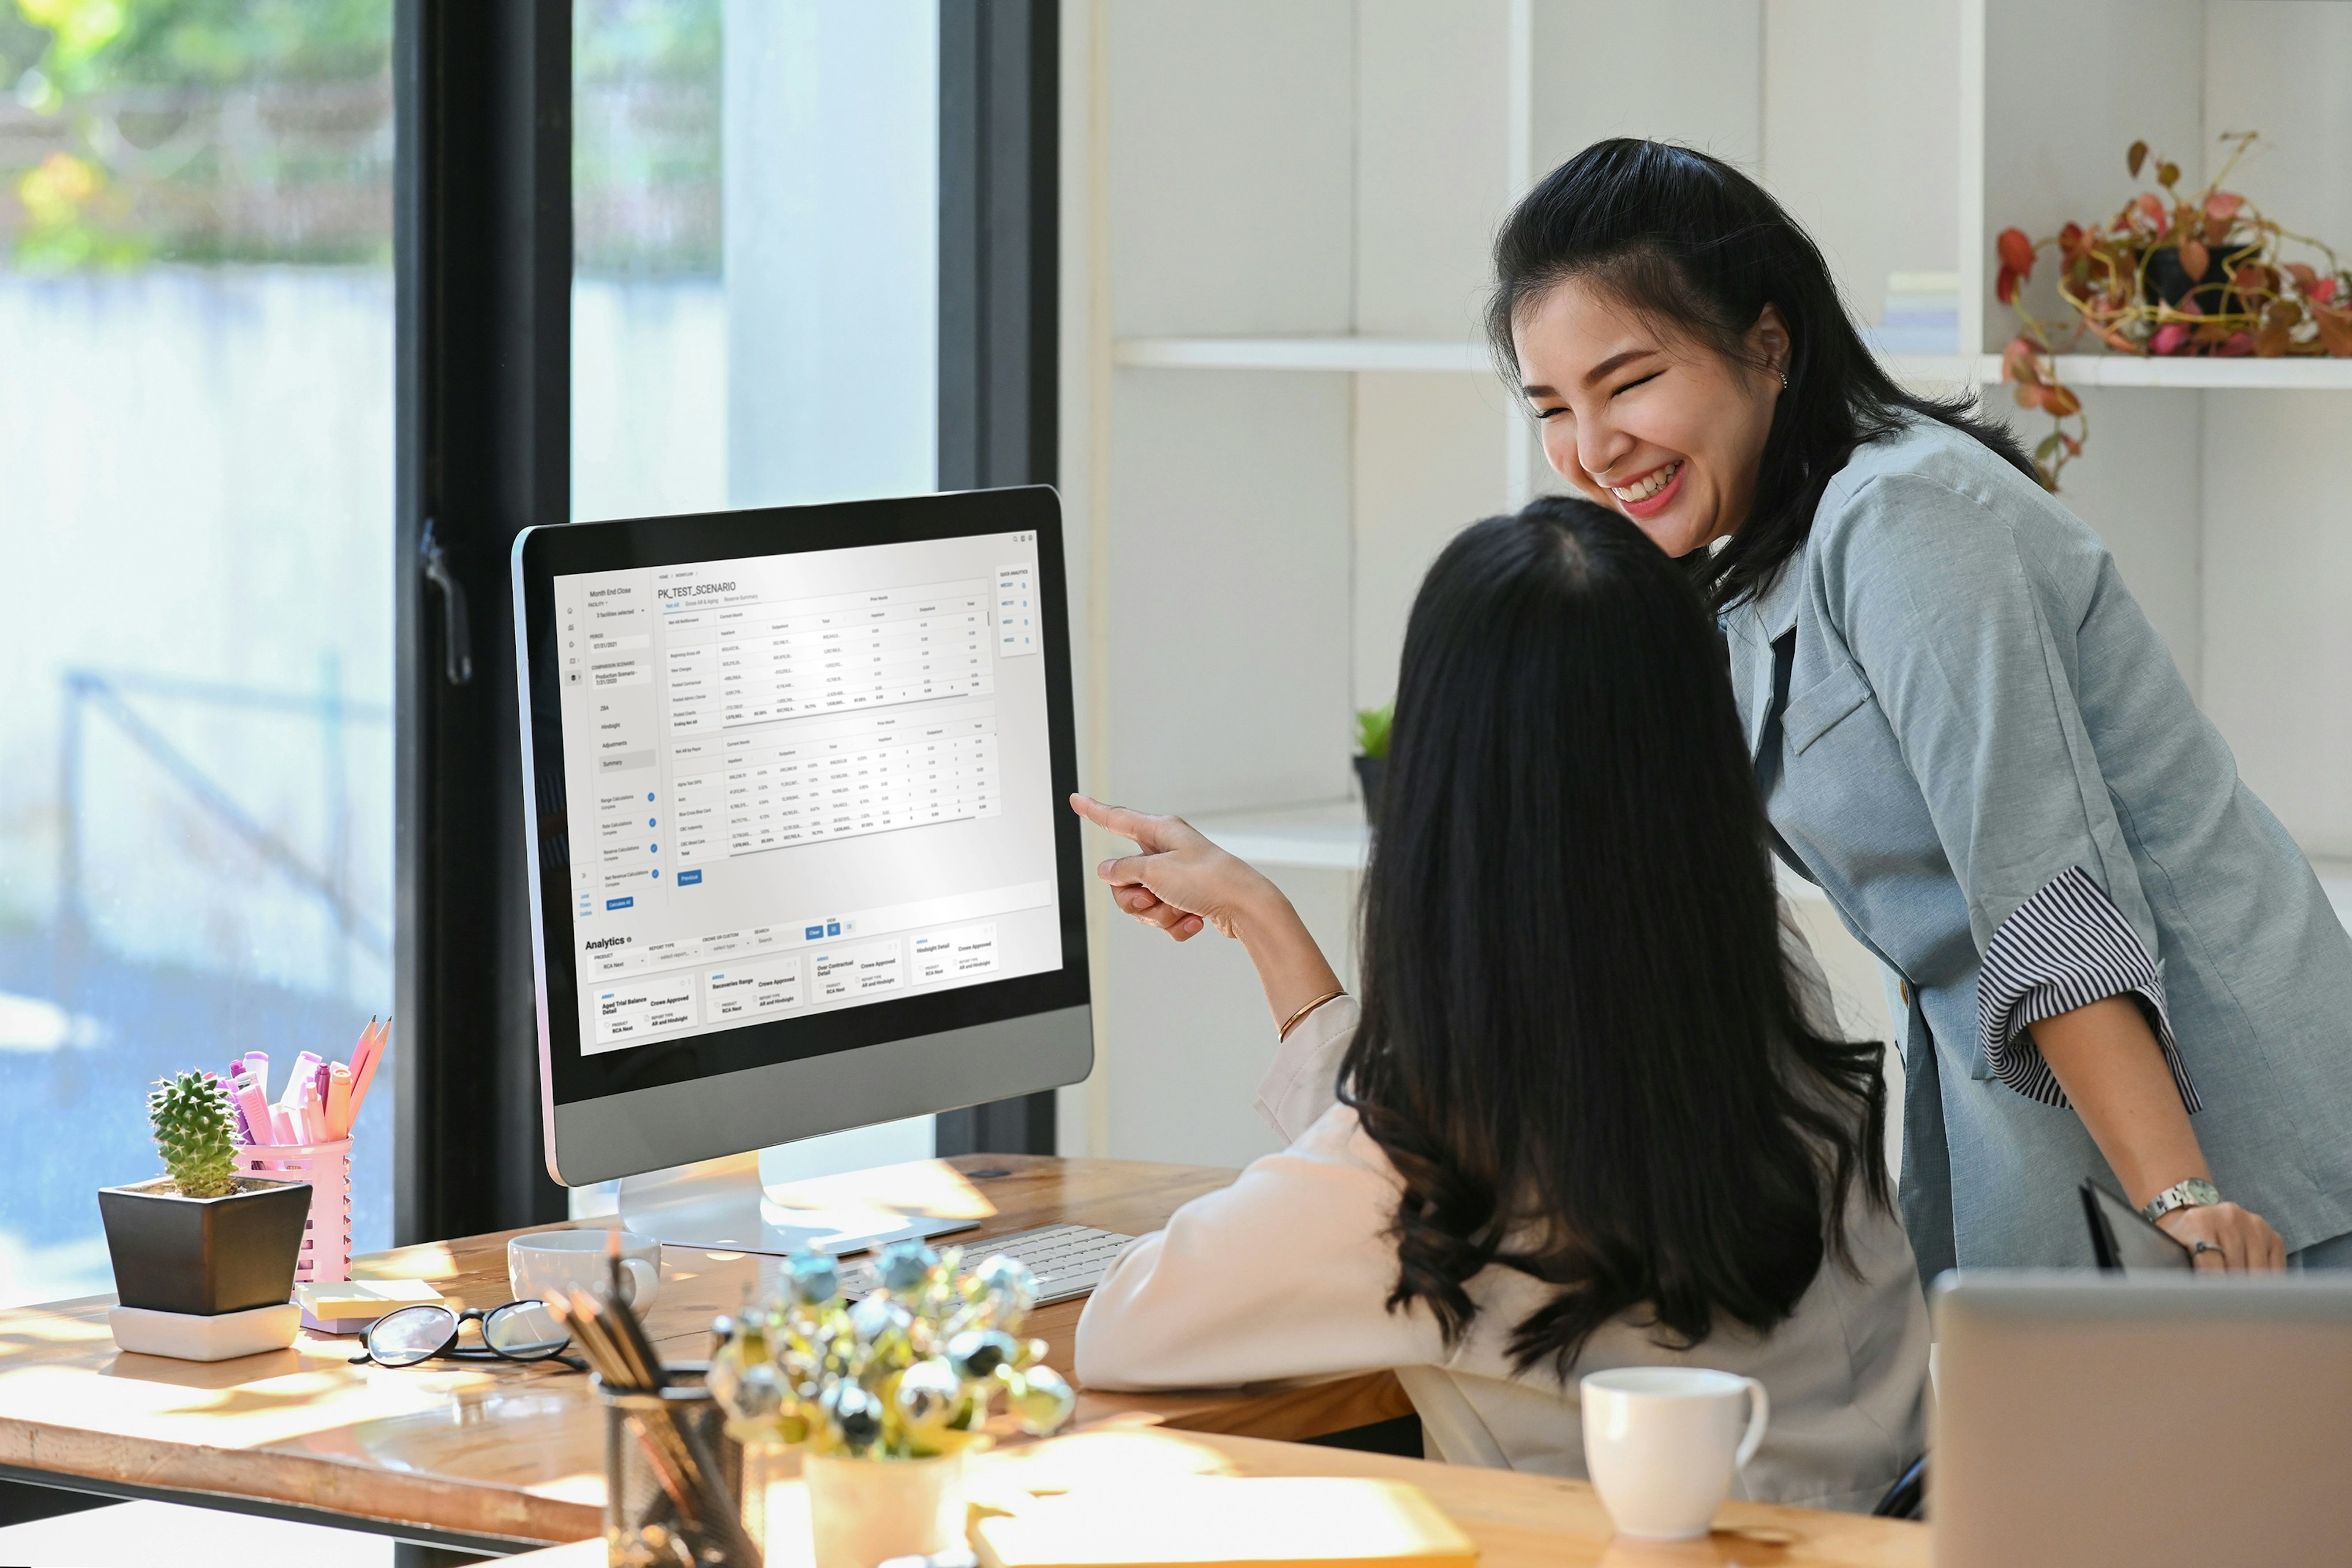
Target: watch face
2194,1192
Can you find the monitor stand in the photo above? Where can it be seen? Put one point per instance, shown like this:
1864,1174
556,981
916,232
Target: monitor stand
720,1205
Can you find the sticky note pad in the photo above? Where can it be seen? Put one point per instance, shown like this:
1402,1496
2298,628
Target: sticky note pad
1256,1522
348,1306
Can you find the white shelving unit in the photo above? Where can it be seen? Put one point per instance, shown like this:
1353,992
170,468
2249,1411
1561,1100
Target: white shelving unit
1384,355
1331,836
1280,406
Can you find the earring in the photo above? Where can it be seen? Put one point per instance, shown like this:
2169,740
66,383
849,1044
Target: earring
1784,380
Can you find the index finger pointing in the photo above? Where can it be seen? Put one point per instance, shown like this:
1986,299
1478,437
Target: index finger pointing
1118,819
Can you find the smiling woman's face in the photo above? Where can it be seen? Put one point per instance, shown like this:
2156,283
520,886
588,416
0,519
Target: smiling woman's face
1658,426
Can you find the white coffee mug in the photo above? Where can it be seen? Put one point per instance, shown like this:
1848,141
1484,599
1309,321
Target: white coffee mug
546,1261
1661,1444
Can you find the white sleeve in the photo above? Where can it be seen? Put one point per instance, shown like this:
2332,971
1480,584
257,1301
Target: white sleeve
1304,1081
1282,1275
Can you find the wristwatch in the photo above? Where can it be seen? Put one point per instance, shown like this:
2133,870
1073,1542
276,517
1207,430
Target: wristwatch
2194,1192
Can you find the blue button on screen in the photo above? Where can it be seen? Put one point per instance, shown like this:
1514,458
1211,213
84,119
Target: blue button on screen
812,933
833,928
620,903
688,878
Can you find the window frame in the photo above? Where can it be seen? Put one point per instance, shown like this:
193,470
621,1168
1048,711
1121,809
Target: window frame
483,246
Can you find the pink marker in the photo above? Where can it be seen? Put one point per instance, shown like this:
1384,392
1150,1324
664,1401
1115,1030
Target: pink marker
255,1109
257,1063
305,1067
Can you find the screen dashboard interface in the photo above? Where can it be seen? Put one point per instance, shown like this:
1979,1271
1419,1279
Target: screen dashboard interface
802,783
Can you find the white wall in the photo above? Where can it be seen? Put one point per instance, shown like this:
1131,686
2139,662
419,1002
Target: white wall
2277,588
1861,112
1232,165
1684,71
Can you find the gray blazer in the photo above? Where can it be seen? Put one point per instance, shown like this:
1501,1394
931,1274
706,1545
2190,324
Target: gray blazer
1972,704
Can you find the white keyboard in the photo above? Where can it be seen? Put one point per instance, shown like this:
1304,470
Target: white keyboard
1068,1260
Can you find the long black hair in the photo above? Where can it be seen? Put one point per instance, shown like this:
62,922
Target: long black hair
1580,1047
1691,243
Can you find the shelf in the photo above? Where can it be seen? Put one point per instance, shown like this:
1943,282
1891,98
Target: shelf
2129,370
1319,836
1331,836
1342,353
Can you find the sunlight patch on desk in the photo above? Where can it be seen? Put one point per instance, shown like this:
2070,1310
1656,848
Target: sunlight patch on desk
135,1403
933,1188
586,1488
425,1260
46,1327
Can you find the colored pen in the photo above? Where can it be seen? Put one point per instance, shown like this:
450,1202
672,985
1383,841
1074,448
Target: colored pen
257,1064
305,1066
339,1102
311,1115
282,1129
255,1109
235,1107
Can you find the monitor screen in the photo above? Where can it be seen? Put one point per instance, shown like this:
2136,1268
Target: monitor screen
792,771
799,780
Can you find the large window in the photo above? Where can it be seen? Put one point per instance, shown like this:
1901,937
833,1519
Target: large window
756,277
195,491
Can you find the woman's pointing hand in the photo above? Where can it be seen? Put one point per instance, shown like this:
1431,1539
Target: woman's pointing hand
1180,879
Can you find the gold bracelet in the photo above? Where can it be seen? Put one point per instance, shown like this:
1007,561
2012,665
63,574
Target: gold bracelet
1292,1021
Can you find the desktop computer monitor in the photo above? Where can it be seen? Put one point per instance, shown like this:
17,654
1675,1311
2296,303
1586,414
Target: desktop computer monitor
799,846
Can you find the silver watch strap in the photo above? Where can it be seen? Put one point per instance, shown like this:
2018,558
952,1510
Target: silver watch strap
2194,1192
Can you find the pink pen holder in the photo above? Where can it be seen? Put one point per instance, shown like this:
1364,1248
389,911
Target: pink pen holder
325,1255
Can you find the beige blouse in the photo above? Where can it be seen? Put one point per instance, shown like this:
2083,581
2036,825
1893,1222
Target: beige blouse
1283,1274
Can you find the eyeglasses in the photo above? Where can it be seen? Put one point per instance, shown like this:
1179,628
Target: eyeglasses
520,1330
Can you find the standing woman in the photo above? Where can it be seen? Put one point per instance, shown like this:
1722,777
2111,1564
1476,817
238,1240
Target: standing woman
2105,954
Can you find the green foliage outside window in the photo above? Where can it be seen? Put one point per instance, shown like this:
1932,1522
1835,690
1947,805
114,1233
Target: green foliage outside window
137,131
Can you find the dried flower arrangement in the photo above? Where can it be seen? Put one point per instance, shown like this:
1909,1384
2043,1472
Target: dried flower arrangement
2171,275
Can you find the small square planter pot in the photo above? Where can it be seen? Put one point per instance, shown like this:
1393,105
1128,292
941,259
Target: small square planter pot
205,1255
1368,773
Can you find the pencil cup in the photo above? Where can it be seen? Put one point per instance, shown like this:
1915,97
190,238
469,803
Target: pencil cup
643,1526
326,1256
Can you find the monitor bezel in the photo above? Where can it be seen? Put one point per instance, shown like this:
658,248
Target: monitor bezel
569,1076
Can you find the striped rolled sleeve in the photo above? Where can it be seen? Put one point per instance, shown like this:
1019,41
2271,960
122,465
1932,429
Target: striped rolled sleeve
2066,947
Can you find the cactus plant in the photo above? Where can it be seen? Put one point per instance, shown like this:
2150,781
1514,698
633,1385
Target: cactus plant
197,1131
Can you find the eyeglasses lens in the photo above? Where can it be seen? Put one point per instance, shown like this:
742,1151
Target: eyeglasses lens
410,1335
525,1330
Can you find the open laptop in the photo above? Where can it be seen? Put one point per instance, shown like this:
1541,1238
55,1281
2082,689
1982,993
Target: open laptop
2145,1419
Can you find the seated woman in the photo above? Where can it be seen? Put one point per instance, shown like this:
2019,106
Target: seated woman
1590,1112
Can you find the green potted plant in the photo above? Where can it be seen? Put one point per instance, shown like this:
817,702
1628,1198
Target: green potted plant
1372,726
201,1239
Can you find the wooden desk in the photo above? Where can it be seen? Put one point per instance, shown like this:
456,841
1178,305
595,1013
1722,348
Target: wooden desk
495,1456
1519,1521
